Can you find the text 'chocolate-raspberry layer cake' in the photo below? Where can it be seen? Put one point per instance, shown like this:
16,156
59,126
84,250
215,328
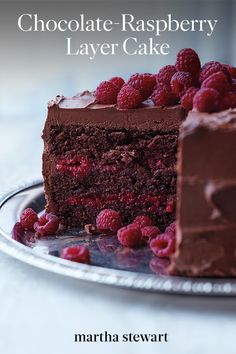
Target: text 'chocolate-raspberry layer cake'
110,160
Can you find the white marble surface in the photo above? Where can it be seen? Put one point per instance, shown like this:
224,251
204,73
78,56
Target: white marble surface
40,312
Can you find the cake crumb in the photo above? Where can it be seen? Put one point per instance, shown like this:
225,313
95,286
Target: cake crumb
91,229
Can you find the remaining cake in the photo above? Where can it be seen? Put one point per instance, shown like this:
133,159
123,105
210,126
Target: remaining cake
206,215
97,156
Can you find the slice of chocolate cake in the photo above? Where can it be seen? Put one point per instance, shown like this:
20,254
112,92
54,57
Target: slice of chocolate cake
206,211
97,156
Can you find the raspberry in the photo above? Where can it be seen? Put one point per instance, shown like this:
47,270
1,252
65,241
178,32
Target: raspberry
231,70
47,224
79,254
165,74
149,232
180,82
163,245
144,83
108,220
212,67
142,221
78,166
130,236
18,232
106,93
117,81
170,206
228,101
128,97
217,81
187,98
188,60
163,96
28,218
206,100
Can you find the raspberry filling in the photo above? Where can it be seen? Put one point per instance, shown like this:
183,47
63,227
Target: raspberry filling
151,202
78,166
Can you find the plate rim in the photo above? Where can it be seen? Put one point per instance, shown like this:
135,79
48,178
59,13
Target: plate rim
109,276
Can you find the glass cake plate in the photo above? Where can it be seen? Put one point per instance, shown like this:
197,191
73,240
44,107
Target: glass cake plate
111,264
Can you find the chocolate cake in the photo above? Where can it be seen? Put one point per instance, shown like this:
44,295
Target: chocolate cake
206,211
97,156
111,156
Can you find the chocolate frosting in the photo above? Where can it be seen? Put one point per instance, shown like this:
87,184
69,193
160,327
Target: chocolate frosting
219,120
222,197
83,109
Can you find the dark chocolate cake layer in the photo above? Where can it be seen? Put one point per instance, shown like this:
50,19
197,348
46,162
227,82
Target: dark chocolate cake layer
98,157
206,208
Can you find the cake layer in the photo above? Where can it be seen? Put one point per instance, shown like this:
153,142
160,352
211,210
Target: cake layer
90,169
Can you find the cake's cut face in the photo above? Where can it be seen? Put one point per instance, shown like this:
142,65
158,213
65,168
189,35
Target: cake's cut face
206,212
96,157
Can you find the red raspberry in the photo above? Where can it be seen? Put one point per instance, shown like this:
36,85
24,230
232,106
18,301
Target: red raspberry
128,97
231,70
188,60
130,236
47,224
149,232
228,101
28,218
79,254
163,96
180,82
217,81
233,86
106,93
142,221
210,68
187,98
165,74
144,83
206,100
117,81
170,206
163,245
18,232
108,220
78,166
